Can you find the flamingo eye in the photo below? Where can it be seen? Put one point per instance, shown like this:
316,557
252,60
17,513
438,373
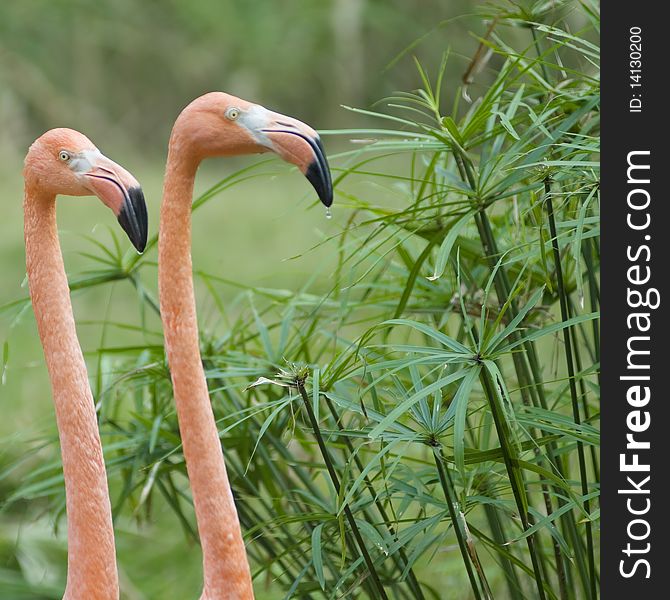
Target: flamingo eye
64,156
232,113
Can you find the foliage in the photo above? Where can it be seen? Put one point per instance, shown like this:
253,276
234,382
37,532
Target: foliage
429,423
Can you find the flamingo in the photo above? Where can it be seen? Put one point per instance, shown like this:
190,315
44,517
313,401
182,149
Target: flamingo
63,161
216,124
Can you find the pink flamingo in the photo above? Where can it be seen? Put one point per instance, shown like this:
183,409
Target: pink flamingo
215,124
63,161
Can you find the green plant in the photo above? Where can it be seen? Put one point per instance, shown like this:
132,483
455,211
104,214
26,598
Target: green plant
427,426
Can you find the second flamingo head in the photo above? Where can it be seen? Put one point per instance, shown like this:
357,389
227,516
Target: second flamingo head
218,124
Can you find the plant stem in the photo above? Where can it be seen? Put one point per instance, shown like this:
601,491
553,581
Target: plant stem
536,42
336,484
503,290
567,337
585,400
403,562
594,296
515,476
450,498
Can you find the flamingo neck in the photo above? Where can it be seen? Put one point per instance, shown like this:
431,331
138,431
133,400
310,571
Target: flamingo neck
225,567
91,553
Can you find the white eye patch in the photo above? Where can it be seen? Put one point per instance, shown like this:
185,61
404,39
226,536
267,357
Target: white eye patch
254,120
83,161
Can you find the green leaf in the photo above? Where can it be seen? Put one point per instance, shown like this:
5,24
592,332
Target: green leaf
439,337
406,404
507,124
460,403
446,246
371,464
317,558
531,336
512,325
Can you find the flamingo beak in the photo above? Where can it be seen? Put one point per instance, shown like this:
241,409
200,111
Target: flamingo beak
300,145
133,218
318,173
121,192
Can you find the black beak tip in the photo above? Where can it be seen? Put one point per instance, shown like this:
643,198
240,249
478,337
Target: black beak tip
133,218
325,193
318,174
140,244
327,198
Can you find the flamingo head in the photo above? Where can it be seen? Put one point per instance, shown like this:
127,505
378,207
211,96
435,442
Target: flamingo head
65,162
218,124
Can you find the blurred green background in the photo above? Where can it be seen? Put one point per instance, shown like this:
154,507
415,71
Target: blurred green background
120,72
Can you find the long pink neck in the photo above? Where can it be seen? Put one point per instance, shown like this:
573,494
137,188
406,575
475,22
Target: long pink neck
91,553
225,566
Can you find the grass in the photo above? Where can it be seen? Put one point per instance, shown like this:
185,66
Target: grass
419,416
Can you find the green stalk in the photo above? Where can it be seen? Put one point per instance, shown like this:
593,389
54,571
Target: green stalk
567,337
285,482
560,567
403,562
563,568
560,563
498,534
577,541
503,289
277,474
450,498
336,484
524,377
584,396
248,520
495,525
594,296
297,552
567,520
515,476
536,42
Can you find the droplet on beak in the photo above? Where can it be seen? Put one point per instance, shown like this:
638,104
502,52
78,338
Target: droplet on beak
329,215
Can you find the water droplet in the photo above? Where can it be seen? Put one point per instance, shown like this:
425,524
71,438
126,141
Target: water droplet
329,215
